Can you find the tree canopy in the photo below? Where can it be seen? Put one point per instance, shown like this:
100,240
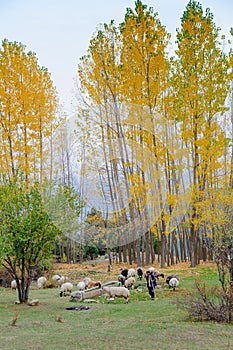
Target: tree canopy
163,128
27,233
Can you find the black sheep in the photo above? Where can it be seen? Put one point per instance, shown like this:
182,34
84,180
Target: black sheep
168,279
124,272
140,272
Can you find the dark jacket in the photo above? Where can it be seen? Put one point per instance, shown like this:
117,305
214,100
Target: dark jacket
151,280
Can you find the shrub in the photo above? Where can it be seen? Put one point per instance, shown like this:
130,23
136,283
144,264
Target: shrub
210,304
44,265
90,251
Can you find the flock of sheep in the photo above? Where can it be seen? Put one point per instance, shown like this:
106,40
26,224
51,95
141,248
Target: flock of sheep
126,281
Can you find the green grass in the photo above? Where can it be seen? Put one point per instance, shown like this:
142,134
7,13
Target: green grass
141,324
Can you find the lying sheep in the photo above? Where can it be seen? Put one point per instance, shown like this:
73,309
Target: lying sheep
130,282
92,284
34,302
120,292
41,282
14,284
66,288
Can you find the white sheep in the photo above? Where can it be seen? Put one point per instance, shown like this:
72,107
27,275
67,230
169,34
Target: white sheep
121,279
86,280
62,280
41,282
120,292
66,288
131,273
55,278
173,283
151,269
130,282
81,285
157,273
14,284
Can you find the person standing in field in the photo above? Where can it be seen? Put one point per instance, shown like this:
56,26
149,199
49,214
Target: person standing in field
151,283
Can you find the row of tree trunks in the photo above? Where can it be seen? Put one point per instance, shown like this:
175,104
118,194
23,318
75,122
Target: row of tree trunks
172,249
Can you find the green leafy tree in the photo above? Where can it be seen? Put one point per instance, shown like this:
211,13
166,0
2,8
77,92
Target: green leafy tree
26,233
90,251
64,204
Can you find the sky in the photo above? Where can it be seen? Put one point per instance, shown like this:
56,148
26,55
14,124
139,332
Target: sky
59,31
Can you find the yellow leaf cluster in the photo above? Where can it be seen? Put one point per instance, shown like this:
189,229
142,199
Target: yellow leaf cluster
27,109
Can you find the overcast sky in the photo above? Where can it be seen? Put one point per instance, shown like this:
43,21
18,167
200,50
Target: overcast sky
59,31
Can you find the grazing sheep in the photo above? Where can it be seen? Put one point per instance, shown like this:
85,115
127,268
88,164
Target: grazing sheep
55,278
14,284
151,269
121,279
66,288
170,277
172,281
130,282
140,272
131,273
81,285
92,284
120,292
124,272
62,280
41,282
157,273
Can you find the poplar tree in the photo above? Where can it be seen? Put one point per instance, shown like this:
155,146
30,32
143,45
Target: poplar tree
28,103
145,71
201,85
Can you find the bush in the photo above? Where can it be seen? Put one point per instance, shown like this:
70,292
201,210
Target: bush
210,304
44,265
90,251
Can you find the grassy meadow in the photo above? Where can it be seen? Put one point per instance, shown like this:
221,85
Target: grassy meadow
141,324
